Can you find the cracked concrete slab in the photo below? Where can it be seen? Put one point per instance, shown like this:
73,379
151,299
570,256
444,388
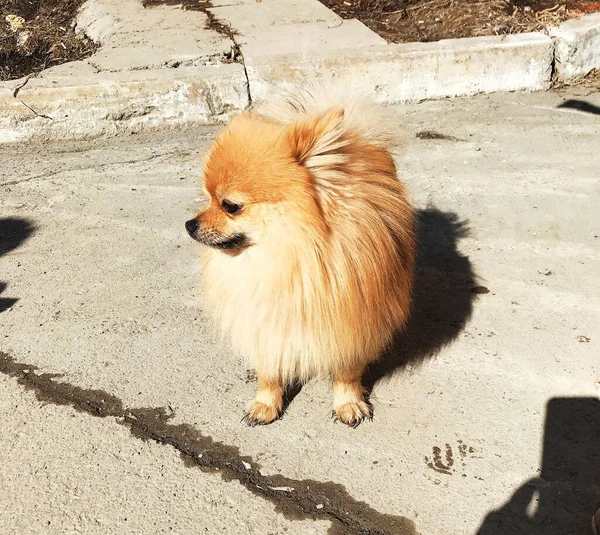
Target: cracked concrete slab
132,37
473,412
294,499
114,484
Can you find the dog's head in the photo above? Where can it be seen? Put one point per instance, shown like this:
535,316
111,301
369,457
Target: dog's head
257,191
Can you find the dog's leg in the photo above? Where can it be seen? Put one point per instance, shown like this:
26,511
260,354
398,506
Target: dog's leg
349,402
268,403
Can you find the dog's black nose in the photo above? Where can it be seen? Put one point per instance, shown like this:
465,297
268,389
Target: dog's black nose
191,226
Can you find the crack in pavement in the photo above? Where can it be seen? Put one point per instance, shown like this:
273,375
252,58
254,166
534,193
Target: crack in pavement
295,499
37,114
222,27
85,167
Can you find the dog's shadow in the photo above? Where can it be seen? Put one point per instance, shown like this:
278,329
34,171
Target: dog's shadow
14,231
443,293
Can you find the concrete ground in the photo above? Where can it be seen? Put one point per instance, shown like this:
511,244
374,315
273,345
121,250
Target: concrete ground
487,413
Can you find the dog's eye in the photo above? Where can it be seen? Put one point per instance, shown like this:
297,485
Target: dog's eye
230,207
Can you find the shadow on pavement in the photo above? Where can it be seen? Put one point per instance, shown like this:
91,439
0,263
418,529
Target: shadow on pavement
580,105
563,500
443,295
13,232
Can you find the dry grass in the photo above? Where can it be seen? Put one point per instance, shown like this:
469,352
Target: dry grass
400,21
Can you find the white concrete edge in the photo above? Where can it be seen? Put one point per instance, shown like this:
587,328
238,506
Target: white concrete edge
417,71
106,104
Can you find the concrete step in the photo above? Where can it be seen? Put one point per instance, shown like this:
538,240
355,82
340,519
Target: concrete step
306,38
247,15
134,38
415,71
74,101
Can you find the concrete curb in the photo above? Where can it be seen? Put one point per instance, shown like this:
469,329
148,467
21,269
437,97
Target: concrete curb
144,78
577,47
418,71
110,103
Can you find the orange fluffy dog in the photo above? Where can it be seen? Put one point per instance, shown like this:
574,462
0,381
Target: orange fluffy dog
311,248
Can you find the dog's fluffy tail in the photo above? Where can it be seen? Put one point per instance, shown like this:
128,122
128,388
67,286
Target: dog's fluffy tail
331,132
334,107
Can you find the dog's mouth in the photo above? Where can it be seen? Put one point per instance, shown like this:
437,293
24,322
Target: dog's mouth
215,239
237,241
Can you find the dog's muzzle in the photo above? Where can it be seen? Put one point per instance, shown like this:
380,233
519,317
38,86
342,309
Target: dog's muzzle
212,238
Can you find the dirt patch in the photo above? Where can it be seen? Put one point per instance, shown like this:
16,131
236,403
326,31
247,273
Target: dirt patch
402,21
35,35
432,134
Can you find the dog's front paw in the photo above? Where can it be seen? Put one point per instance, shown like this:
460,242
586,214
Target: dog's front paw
258,413
353,413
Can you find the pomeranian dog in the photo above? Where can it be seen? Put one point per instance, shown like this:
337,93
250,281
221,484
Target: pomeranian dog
310,247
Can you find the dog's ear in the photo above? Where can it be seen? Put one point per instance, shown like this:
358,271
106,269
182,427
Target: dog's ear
318,139
322,143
